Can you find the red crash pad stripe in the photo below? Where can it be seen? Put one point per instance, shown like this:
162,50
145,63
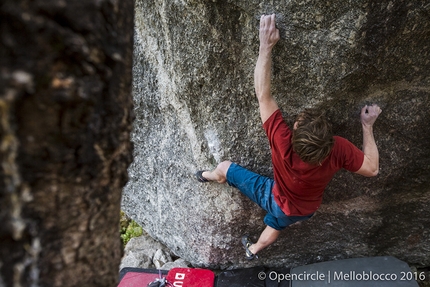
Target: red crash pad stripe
191,277
135,279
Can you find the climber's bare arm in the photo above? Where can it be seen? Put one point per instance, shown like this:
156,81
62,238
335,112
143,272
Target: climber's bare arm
269,36
370,166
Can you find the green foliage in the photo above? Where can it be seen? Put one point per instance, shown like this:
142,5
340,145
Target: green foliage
129,229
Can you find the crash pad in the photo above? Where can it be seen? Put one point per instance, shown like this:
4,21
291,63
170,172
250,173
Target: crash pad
253,277
138,277
191,277
383,271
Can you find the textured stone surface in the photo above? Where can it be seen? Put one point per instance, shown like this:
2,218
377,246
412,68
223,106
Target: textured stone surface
136,259
145,252
143,243
178,263
195,106
65,123
160,258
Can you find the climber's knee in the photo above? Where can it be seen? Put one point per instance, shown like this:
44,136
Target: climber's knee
222,169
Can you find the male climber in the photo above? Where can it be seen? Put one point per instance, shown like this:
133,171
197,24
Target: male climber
304,159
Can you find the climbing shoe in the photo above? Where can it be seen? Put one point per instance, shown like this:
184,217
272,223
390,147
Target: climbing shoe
246,242
199,176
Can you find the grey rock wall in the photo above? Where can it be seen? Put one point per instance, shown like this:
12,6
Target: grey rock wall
145,252
195,106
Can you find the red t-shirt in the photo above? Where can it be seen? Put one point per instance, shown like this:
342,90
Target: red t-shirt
299,186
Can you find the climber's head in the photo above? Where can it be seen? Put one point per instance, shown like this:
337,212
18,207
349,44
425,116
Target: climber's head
312,137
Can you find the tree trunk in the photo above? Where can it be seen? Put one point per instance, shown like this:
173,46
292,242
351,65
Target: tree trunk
65,120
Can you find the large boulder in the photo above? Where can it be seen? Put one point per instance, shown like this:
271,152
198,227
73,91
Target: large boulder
195,106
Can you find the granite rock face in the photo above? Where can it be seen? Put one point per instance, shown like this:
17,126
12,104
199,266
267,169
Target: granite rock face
145,252
195,106
65,121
